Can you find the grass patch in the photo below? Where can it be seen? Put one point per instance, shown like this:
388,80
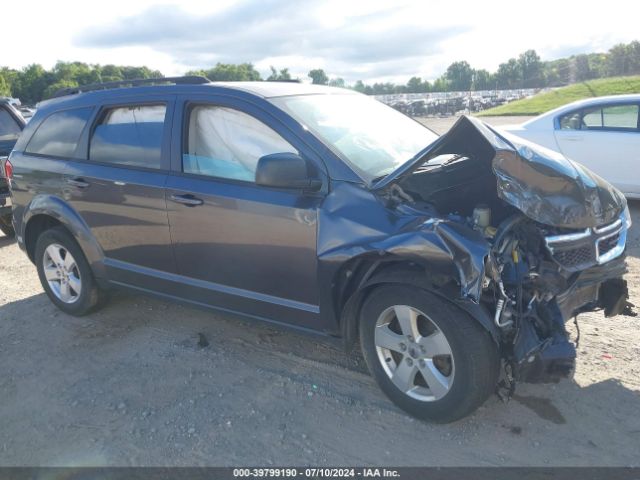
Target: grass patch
543,102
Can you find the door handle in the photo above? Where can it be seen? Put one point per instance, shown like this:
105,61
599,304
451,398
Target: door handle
186,199
573,139
78,182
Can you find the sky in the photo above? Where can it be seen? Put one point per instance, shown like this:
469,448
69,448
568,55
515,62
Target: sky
370,40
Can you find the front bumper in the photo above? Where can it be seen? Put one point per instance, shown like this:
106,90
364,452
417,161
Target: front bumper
599,287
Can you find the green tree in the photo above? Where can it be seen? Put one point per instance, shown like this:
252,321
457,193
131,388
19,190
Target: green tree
111,73
31,83
337,82
558,72
441,85
5,88
384,88
509,74
416,85
531,69
318,77
459,76
279,75
598,64
582,68
10,75
618,60
54,87
228,72
633,51
78,72
131,73
359,86
483,80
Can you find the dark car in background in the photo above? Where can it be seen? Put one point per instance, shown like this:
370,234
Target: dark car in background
11,125
454,260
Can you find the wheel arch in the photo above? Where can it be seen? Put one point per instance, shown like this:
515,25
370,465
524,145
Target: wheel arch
370,273
47,211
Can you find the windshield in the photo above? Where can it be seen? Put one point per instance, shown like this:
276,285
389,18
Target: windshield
374,138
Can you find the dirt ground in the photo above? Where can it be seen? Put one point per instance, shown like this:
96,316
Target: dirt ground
130,385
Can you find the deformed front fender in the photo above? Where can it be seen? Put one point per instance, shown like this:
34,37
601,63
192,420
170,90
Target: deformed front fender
354,223
56,208
400,275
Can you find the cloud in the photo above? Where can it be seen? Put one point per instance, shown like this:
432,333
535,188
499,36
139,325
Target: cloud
370,45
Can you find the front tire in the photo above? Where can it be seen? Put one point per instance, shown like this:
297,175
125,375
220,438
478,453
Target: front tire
65,274
428,356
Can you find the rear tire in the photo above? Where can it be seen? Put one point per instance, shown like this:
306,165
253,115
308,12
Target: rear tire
428,356
65,273
6,227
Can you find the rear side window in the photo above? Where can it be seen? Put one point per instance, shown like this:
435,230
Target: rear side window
9,128
613,118
620,117
129,135
59,133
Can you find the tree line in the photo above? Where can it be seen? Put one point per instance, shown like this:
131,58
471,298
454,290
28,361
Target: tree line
525,71
34,83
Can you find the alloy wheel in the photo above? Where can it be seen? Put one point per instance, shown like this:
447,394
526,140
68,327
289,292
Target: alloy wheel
414,353
62,273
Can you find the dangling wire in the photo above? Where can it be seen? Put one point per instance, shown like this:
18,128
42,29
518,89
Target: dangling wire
575,322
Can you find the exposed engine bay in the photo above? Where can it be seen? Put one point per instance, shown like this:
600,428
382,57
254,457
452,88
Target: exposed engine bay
548,258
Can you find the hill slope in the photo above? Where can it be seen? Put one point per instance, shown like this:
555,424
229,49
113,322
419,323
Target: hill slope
546,101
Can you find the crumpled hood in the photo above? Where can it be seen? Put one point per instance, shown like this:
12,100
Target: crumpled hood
541,183
551,189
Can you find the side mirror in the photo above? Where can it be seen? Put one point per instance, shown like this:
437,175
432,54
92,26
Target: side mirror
285,170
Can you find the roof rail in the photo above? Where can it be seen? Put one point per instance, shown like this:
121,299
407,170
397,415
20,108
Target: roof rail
186,80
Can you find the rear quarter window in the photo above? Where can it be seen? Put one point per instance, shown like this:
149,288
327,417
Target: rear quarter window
58,134
603,118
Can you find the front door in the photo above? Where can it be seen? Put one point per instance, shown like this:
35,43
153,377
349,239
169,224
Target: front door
119,189
241,246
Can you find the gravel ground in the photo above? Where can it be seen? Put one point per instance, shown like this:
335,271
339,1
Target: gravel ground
130,385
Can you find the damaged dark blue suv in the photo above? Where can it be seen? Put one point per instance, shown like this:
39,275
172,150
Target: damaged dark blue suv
454,260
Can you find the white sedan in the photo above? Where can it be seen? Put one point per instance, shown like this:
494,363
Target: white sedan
601,133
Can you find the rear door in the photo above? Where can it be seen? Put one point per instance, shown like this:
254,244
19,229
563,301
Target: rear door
605,139
118,186
241,246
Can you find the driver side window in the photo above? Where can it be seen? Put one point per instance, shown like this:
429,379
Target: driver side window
226,143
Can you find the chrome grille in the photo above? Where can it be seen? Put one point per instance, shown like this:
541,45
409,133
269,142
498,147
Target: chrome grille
576,257
605,245
589,247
